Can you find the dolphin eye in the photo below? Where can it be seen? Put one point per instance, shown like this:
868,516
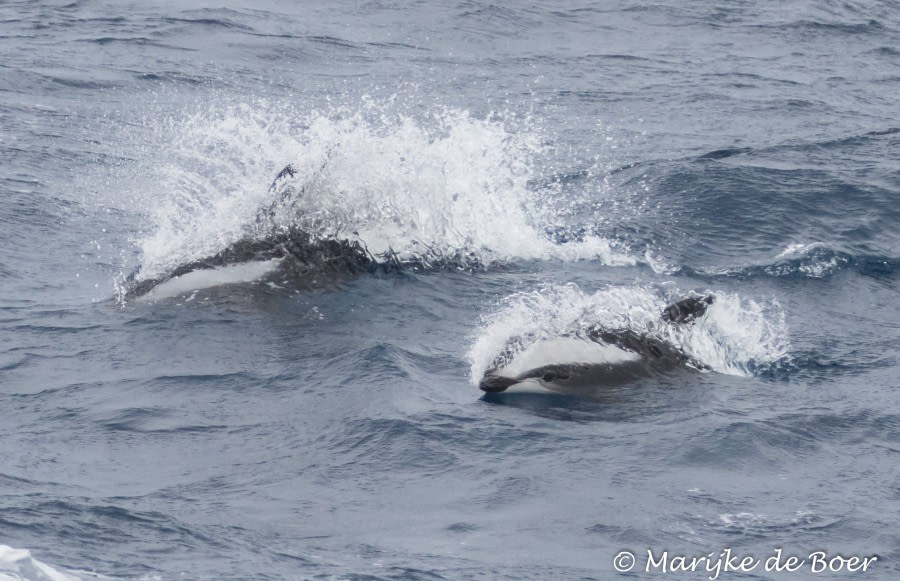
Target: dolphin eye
549,376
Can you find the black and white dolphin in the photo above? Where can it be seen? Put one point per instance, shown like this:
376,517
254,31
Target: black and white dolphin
623,355
298,254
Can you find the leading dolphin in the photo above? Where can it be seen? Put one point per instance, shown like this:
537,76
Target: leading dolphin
628,354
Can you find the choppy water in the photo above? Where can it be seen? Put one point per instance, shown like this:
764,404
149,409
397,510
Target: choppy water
537,161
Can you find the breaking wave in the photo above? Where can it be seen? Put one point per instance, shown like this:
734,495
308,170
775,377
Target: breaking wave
811,260
19,565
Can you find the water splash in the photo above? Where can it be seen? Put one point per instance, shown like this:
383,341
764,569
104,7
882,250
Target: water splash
434,188
737,336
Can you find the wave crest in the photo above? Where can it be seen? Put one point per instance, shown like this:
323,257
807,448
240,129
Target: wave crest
813,260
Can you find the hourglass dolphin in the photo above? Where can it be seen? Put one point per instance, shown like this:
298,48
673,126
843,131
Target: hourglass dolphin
295,251
621,354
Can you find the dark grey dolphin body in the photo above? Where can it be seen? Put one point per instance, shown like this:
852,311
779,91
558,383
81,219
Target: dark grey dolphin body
654,355
304,255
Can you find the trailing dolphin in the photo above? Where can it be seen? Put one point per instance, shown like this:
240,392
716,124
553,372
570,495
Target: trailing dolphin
621,355
295,251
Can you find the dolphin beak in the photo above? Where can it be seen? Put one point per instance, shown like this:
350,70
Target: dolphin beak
495,383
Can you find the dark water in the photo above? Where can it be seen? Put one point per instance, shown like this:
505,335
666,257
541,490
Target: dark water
583,157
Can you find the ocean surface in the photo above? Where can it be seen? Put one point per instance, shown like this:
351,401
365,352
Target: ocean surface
518,168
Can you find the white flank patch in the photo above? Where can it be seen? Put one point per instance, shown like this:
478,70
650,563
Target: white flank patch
206,278
562,351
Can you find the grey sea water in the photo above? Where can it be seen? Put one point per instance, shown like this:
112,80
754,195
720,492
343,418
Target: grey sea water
532,163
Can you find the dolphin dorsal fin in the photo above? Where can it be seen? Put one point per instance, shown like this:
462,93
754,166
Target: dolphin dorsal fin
687,309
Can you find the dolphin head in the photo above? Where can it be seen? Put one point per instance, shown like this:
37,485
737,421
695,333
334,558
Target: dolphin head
496,383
